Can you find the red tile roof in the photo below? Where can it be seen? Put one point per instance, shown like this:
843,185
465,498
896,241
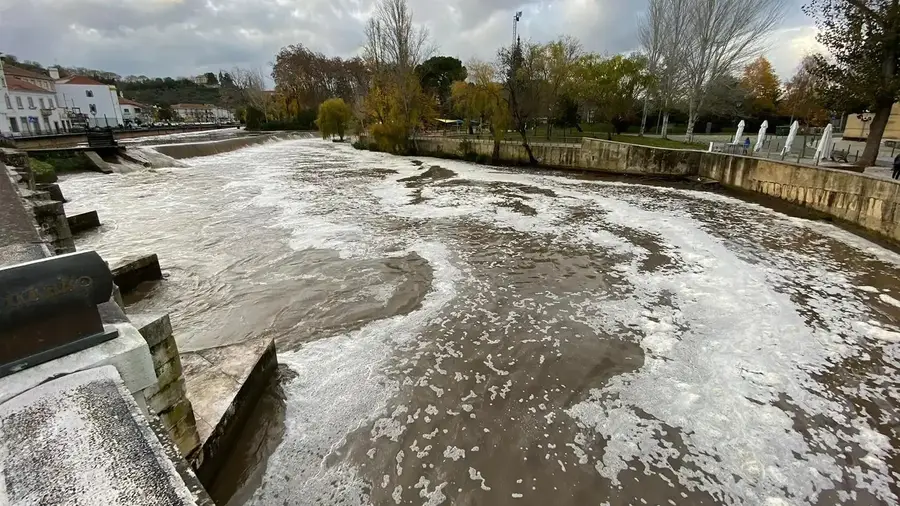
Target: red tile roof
80,80
127,101
12,70
16,84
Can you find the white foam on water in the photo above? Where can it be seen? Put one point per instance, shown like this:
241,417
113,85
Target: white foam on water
338,389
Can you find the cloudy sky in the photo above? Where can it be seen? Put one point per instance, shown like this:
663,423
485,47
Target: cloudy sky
187,37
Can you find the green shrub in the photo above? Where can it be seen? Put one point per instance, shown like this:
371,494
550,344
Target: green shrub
43,171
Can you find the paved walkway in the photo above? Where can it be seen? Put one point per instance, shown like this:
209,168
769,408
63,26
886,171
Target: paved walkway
19,240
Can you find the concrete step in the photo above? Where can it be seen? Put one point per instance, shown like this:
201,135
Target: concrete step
83,222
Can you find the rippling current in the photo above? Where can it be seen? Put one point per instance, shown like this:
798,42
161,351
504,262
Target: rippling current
460,334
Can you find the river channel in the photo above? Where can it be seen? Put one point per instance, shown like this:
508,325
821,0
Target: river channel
453,333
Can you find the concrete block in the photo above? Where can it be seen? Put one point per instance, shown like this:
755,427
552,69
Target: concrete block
97,163
155,328
83,221
166,397
132,271
164,352
104,453
53,190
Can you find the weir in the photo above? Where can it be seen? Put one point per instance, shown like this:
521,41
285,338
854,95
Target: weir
141,349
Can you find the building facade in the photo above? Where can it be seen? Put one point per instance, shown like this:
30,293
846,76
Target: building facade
29,104
134,113
88,102
857,127
203,113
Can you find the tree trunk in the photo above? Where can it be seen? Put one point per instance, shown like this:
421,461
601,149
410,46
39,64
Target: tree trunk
531,159
876,132
495,156
664,131
689,133
644,116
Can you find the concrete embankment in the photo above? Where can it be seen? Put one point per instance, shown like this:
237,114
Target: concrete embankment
192,150
861,200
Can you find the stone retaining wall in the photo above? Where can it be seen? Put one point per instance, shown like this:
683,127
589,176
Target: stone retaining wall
168,399
859,199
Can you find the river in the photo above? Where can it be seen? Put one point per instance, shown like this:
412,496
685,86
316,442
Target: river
460,334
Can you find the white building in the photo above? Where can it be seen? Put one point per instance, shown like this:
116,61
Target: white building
28,106
134,113
203,113
4,111
88,101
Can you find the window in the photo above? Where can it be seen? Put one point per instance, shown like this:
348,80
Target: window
52,103
14,125
93,109
25,127
89,93
8,102
31,102
43,105
19,102
137,110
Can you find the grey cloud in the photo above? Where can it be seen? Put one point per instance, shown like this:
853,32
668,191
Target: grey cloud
185,37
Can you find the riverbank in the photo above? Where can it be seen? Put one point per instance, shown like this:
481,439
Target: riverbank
857,199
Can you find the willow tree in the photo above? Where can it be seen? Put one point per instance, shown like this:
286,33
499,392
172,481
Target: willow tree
863,37
482,99
334,118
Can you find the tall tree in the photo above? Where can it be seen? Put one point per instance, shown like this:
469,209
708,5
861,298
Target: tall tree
483,99
863,37
251,87
723,35
804,98
437,74
394,47
561,61
664,36
613,86
524,69
762,86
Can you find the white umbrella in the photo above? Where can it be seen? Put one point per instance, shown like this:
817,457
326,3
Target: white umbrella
825,144
761,137
739,133
790,138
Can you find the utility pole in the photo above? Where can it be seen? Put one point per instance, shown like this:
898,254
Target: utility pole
516,19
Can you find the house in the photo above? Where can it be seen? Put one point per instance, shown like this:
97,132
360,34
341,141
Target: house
38,79
858,125
29,104
134,113
87,101
203,113
4,110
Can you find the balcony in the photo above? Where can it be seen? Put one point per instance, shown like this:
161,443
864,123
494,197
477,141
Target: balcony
46,112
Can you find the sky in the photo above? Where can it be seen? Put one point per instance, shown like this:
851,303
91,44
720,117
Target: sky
188,37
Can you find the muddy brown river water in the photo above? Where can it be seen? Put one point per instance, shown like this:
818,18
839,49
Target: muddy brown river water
452,333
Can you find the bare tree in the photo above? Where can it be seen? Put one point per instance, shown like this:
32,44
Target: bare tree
394,47
664,36
652,36
723,36
251,84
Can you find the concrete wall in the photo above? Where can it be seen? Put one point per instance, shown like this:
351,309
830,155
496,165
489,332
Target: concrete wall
194,149
73,139
168,398
859,199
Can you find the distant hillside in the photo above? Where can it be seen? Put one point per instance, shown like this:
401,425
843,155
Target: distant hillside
170,91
